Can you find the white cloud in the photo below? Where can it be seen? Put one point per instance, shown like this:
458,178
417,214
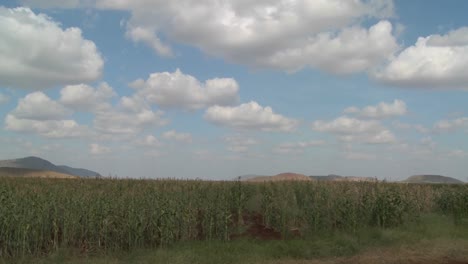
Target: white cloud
4,99
424,148
436,61
129,117
380,111
352,50
380,137
179,90
97,149
250,116
118,121
347,125
239,143
46,128
297,147
83,97
451,124
146,35
38,106
148,141
458,37
350,130
37,113
37,53
418,127
279,34
458,153
177,136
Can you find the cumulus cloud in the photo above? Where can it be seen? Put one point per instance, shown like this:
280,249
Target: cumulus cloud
458,153
177,136
287,35
347,125
272,34
418,127
37,53
436,61
297,147
118,121
380,111
38,106
97,149
250,116
83,97
37,113
146,35
179,90
350,130
148,141
449,125
48,128
381,137
352,50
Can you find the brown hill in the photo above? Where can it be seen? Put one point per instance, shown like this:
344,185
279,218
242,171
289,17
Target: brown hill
30,173
288,176
36,163
432,179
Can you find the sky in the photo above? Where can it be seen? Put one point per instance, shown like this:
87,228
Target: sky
213,89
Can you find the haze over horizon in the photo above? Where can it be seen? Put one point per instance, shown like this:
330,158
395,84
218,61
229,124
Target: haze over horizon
216,89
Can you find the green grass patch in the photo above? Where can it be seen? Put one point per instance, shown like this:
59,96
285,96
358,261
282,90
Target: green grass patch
430,231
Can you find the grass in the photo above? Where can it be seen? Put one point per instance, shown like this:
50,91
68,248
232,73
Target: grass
431,239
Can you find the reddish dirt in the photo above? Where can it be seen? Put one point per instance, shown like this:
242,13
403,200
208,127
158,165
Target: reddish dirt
256,229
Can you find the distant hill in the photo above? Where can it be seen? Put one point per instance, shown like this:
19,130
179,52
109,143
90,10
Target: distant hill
22,172
333,177
431,179
288,176
84,173
35,163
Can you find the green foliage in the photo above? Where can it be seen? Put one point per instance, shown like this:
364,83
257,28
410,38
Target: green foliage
41,216
453,201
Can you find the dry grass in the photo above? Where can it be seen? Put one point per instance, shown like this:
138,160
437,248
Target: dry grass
30,173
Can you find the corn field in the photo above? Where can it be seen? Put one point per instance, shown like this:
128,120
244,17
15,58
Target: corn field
39,216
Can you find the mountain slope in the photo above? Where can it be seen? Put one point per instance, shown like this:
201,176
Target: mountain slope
431,179
80,172
36,163
22,172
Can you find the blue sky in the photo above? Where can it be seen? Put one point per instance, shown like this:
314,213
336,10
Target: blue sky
215,89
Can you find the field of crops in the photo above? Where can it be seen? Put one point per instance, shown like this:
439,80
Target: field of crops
39,216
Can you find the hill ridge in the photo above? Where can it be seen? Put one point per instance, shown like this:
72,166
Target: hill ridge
37,163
